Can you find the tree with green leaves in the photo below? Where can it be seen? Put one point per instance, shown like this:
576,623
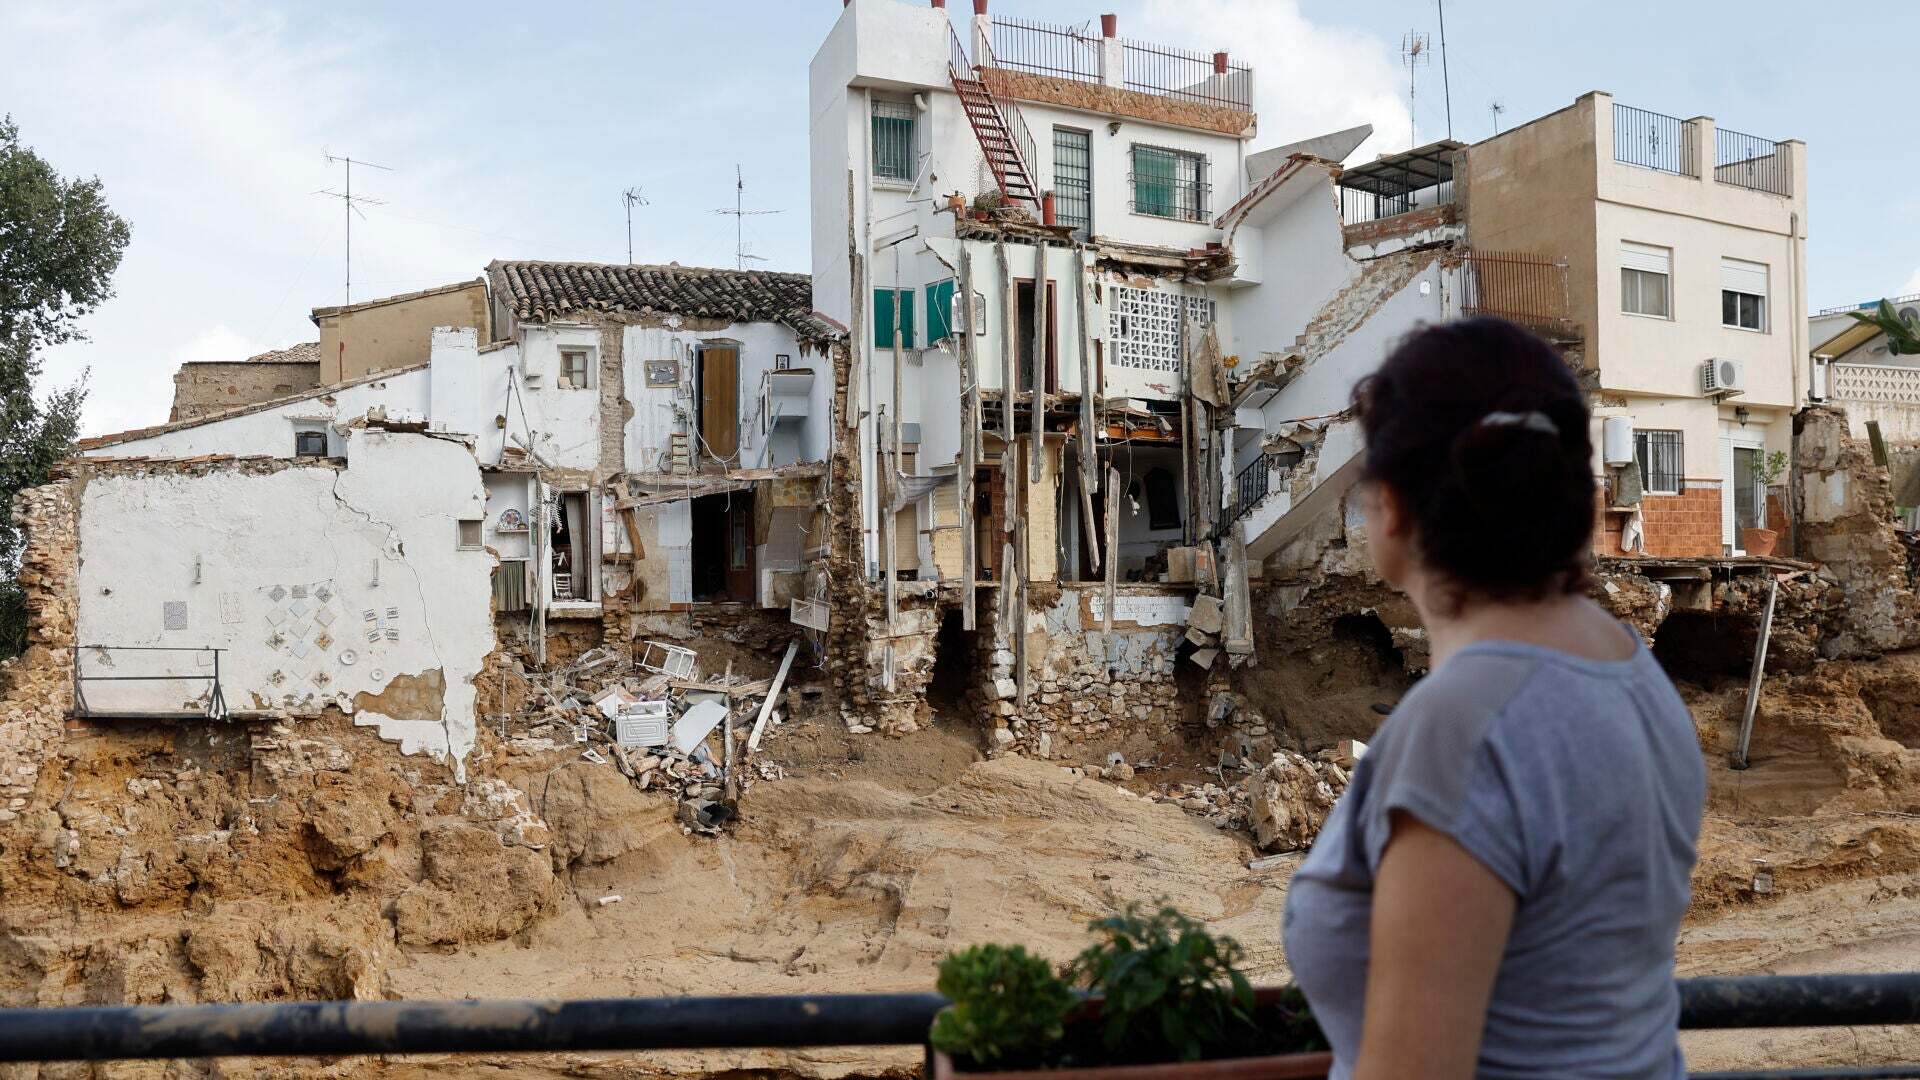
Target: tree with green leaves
59,246
1903,337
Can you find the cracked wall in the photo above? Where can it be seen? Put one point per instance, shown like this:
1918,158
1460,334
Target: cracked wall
324,586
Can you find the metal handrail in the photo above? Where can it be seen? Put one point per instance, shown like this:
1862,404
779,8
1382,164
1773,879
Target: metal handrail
1654,141
1186,74
1060,52
335,1028
1011,119
1750,161
216,707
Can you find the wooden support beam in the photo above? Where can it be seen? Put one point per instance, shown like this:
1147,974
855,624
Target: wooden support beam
1038,387
1740,760
1089,436
969,444
1111,592
889,555
773,692
1009,369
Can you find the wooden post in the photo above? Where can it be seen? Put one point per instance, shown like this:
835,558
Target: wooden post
1754,677
1010,471
1009,369
1089,437
1037,400
1113,560
1186,428
969,443
773,691
884,497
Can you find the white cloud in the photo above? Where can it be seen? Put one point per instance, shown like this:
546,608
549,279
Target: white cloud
217,343
1913,284
1308,79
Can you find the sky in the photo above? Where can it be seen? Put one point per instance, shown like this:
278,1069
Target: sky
510,130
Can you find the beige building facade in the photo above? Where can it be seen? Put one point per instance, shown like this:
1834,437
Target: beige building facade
1686,269
395,331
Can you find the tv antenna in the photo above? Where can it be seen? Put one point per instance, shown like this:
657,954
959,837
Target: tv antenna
631,198
1446,83
1415,52
1496,108
739,213
350,204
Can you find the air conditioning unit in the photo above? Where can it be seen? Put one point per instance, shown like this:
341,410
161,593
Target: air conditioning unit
1722,378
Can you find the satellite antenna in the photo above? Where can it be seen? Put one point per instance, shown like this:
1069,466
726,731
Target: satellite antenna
739,214
1496,108
631,198
351,204
1415,52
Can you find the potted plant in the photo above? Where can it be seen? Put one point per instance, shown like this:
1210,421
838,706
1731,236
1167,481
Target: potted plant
984,204
1761,541
1153,996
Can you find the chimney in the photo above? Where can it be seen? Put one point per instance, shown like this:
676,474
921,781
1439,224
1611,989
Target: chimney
1046,208
1219,63
1109,25
939,3
979,7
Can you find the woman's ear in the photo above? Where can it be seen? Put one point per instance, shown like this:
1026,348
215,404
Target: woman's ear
1387,513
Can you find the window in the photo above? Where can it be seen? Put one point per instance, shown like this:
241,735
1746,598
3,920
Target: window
1662,465
1646,275
1168,183
309,444
1743,294
883,305
574,367
893,140
468,536
940,313
1073,179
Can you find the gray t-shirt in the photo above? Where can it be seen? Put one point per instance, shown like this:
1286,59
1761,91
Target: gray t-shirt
1579,783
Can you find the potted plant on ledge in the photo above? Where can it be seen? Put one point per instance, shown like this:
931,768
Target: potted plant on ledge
1156,996
1761,541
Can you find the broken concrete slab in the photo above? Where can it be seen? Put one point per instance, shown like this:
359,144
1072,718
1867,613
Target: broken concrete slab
1207,615
696,724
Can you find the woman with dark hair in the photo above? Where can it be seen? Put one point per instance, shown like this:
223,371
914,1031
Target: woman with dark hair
1498,892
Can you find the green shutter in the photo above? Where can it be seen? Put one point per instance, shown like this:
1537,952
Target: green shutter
939,311
1155,173
883,301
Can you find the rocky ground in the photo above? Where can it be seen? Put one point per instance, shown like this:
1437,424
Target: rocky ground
307,860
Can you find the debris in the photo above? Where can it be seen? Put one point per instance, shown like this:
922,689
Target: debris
645,725
696,724
1348,752
673,661
1291,798
594,756
1205,658
1207,614
766,707
1271,862
610,899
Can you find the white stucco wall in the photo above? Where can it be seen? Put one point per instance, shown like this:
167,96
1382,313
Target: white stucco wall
1291,251
269,432
232,548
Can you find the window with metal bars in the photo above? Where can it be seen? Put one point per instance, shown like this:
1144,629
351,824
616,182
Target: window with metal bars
1661,460
1169,183
893,140
1073,179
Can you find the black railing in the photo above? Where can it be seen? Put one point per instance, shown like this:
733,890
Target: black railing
338,1028
1654,141
1528,289
1749,161
1045,49
1357,205
214,705
1186,74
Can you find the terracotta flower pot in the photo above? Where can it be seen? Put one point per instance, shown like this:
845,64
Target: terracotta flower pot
1309,1066
1758,541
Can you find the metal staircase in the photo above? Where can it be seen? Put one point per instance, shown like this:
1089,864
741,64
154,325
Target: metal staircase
999,127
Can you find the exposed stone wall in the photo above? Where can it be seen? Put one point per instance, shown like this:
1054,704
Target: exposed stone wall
1407,224
205,387
1115,101
1844,509
36,690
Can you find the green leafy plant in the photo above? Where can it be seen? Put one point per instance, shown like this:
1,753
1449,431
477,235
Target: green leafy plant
1171,989
1771,467
1903,337
1007,1004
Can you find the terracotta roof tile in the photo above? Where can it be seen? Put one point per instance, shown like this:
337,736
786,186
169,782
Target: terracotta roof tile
538,291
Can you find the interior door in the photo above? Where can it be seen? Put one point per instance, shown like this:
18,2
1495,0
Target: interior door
740,548
720,401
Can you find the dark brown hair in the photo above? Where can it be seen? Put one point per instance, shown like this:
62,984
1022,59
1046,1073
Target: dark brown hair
1482,432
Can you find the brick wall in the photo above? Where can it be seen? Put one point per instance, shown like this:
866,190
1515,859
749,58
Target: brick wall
1676,525
1432,217
209,386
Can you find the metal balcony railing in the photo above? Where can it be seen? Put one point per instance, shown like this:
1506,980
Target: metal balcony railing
1527,289
1045,49
1749,161
340,1028
1654,140
1186,74
213,700
1357,205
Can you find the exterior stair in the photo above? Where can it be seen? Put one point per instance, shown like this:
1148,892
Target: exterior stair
1000,130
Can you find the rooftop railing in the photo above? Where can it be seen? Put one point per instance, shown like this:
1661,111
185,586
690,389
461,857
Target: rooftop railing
1357,205
1749,161
1527,289
1186,74
1045,49
1654,140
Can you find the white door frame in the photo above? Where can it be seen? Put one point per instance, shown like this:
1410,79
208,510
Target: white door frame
1732,435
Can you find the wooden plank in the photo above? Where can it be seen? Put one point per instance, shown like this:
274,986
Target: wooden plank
1111,590
1038,388
1089,437
1753,677
773,692
969,445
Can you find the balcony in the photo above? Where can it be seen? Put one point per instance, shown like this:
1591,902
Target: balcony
1399,196
1668,144
1070,66
1527,289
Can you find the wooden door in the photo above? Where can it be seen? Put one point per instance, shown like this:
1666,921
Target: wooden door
740,584
720,401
